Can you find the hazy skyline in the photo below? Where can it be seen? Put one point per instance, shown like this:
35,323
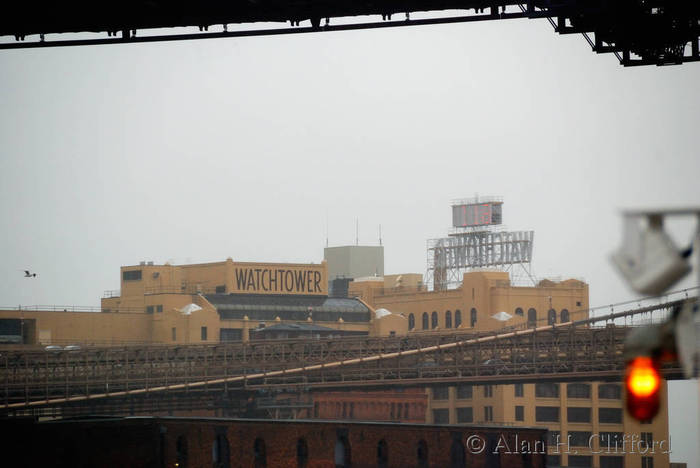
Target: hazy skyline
248,148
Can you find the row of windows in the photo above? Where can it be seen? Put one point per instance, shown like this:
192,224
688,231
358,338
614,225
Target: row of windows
221,452
463,392
606,461
542,390
578,415
151,308
346,410
429,322
464,415
578,390
551,414
586,461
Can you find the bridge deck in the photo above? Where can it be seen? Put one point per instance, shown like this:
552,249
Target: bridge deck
561,352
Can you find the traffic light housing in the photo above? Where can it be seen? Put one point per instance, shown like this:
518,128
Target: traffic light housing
642,386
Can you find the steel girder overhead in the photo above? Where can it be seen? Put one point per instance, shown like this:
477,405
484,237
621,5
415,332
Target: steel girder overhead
639,32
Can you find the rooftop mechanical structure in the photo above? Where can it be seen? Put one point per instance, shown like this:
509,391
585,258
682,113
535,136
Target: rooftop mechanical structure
475,242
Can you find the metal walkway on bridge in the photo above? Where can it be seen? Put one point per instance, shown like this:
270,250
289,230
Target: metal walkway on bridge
573,351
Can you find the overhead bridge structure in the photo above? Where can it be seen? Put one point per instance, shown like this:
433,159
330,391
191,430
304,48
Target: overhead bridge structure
164,378
638,32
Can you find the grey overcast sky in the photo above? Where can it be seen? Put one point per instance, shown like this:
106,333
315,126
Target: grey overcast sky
197,151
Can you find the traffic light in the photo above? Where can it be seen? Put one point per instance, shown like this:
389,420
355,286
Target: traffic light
642,385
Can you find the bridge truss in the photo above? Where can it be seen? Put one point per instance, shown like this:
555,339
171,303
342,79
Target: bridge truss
638,32
162,378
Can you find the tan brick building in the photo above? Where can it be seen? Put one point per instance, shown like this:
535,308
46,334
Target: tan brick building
587,421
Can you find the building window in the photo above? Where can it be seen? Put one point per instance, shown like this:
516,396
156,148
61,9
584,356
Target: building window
204,333
441,416
610,415
551,317
578,415
610,441
352,410
149,309
422,454
611,462
547,413
553,460
610,391
221,451
433,320
465,415
647,462
648,439
580,461
565,316
342,452
181,451
174,332
578,390
579,438
133,275
553,438
578,303
519,389
448,319
488,391
457,456
519,311
458,318
259,454
382,454
547,390
230,334
520,413
159,308
440,393
425,320
531,318
220,289
472,318
464,391
411,322
488,413
316,405
302,453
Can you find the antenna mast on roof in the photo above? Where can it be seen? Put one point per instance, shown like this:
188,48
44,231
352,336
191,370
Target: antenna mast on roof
380,234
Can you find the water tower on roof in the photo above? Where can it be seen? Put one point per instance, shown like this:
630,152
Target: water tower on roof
477,240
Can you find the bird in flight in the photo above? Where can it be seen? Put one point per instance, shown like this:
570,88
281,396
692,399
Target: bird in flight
29,275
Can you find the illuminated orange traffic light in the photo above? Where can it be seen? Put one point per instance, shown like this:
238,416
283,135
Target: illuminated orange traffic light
642,384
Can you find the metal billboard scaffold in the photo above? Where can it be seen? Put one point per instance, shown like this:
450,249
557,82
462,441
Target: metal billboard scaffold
474,243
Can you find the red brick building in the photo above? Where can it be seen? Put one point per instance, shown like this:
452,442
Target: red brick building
400,405
224,443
